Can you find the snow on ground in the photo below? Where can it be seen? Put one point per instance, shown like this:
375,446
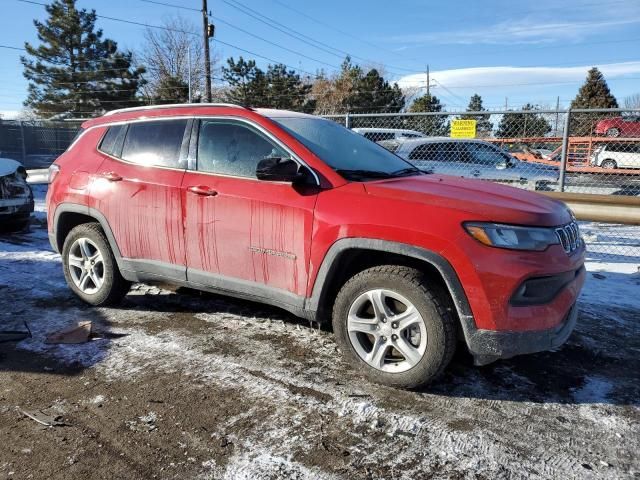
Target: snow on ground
291,409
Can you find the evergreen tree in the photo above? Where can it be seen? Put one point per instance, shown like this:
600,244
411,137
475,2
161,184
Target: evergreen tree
286,90
247,82
433,125
75,72
372,93
483,125
594,93
519,124
170,89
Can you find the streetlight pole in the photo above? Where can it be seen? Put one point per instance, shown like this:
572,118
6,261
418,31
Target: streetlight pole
207,59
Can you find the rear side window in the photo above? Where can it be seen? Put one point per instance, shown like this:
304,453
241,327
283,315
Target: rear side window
434,152
155,143
112,141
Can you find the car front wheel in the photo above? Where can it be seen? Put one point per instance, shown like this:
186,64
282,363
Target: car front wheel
90,268
613,132
394,326
609,164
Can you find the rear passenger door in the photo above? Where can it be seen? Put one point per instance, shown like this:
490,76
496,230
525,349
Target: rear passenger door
242,233
138,191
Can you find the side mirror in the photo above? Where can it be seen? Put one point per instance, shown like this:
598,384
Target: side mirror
275,169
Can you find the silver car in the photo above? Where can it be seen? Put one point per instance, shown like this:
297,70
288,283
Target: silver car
475,159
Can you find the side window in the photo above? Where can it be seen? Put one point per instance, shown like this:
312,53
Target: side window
112,141
482,154
429,151
155,143
232,148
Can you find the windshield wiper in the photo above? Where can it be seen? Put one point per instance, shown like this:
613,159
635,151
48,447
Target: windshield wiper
406,171
358,173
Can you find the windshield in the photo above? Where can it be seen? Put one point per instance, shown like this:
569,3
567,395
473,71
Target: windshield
348,153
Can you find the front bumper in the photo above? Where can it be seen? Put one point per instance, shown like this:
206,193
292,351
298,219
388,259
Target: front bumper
13,208
486,346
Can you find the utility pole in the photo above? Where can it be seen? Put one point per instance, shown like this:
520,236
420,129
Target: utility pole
207,32
428,82
557,114
189,70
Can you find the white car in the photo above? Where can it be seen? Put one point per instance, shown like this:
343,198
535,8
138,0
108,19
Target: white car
473,158
616,155
381,134
16,197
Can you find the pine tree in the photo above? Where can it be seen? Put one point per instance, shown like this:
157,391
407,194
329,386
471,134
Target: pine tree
519,124
432,125
594,93
372,93
170,89
483,125
286,90
247,82
75,72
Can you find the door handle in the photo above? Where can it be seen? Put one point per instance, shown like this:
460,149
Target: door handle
203,190
111,176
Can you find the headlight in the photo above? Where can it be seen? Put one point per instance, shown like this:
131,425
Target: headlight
512,237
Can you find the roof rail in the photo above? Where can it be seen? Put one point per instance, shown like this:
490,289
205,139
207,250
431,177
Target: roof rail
172,105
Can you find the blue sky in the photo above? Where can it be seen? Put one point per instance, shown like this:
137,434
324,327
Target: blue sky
523,50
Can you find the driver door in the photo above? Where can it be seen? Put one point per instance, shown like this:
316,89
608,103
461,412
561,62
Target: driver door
240,231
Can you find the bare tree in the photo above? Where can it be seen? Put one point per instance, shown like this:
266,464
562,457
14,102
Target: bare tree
165,55
632,101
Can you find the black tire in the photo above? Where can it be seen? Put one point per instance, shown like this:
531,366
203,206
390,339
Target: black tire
114,286
613,132
609,164
430,301
15,225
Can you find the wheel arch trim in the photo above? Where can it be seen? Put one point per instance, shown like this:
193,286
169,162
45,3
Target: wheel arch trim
329,268
89,212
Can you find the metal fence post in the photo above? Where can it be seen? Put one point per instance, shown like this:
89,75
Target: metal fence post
347,121
22,142
565,148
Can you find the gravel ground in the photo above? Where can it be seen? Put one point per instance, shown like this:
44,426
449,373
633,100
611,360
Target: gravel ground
188,385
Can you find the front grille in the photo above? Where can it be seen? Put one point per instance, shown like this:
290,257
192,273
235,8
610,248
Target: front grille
569,237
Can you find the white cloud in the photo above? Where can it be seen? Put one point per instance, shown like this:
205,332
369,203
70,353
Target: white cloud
507,76
519,32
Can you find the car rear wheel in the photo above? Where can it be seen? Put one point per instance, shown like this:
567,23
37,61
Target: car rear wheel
12,225
90,268
393,325
613,132
609,164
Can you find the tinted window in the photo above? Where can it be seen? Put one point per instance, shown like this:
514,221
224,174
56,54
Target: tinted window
112,140
427,151
231,148
154,143
483,154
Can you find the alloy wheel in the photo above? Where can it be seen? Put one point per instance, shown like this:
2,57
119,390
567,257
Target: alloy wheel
86,266
386,330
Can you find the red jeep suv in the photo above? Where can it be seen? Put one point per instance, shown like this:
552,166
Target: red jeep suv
298,212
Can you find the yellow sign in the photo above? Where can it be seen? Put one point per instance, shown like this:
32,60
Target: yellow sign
463,128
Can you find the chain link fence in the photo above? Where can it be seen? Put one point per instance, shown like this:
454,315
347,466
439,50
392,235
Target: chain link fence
37,143
573,151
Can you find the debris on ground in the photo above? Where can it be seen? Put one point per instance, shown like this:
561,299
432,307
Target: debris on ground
12,333
43,418
77,334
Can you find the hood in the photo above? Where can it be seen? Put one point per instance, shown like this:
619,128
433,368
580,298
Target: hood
8,166
483,200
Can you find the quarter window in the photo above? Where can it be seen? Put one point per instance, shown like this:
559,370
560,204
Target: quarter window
231,148
155,143
112,141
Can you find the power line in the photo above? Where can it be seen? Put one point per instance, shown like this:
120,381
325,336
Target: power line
320,22
298,35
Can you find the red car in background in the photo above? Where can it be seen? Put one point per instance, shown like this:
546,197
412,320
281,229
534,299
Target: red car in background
628,126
